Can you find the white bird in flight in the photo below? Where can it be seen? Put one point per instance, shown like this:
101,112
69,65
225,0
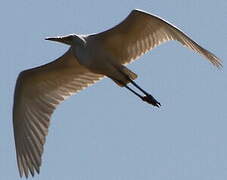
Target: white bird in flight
90,58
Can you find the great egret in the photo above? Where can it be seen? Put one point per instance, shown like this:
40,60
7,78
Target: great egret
90,58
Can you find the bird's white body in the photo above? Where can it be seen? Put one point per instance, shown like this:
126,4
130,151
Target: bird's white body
39,90
93,56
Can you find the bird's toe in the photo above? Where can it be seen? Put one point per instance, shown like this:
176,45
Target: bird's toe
151,100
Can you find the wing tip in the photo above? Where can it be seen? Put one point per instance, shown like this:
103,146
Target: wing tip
32,173
217,62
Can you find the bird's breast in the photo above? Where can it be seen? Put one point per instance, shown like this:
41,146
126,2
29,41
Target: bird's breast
93,58
83,56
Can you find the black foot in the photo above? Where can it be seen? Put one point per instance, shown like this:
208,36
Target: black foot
151,100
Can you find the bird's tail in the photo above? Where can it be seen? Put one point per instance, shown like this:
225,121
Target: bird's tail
128,75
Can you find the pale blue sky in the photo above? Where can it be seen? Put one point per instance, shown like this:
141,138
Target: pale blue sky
105,132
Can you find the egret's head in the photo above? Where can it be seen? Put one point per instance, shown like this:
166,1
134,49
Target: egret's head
69,39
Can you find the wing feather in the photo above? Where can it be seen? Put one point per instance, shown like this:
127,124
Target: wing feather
141,32
38,91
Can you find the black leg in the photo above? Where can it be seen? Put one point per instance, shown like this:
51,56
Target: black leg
148,98
134,92
137,86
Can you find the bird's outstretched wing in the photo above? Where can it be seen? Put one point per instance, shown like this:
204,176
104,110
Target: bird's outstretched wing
141,32
38,91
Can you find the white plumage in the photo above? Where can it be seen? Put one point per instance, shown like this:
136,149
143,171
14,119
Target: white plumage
38,91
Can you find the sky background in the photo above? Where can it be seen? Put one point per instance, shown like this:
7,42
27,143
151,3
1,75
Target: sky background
105,132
